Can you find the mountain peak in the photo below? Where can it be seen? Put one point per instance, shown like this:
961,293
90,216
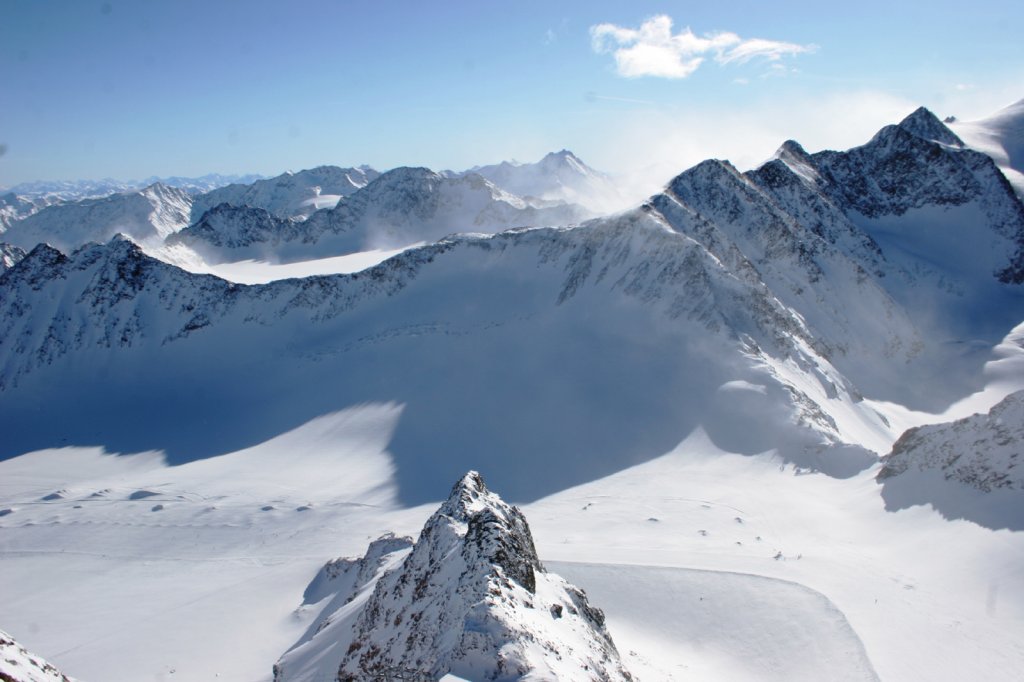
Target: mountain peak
563,154
705,173
791,149
926,125
468,494
471,599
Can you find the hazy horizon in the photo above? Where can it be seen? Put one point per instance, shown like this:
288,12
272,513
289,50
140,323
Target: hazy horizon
129,91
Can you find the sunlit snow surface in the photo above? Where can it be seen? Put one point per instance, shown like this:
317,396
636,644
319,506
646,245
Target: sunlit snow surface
1001,136
709,565
262,272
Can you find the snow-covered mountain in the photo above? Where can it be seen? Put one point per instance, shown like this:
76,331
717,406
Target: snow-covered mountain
18,665
888,251
289,194
559,176
201,184
147,215
401,207
775,265
969,468
14,207
714,340
649,382
1001,136
470,598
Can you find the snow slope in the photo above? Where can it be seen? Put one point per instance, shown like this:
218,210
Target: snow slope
14,207
926,598
147,215
1001,136
709,565
289,194
18,665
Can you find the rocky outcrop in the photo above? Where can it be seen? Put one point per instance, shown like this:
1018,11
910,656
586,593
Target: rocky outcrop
969,469
471,598
983,451
18,665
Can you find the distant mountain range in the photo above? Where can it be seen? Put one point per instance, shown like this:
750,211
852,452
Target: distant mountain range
73,190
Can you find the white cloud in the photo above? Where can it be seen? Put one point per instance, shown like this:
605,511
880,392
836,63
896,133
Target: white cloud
653,50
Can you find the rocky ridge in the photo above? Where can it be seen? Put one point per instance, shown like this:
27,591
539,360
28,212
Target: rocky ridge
982,451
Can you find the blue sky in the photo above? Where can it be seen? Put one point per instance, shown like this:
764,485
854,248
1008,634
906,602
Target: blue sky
132,89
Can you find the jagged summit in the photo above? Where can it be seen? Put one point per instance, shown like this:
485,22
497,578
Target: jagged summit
926,125
470,599
468,495
705,173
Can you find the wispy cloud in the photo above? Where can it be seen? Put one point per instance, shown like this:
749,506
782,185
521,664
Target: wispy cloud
653,50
